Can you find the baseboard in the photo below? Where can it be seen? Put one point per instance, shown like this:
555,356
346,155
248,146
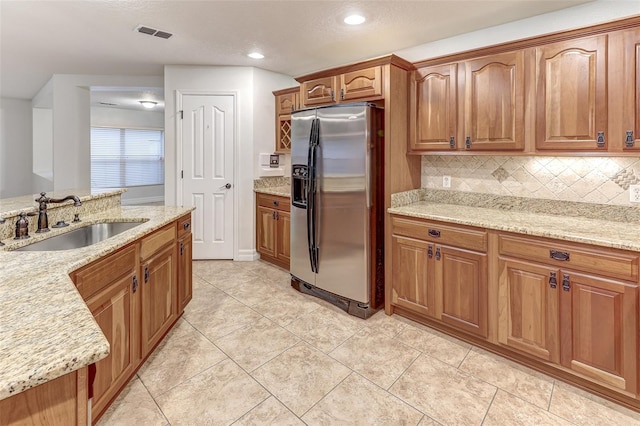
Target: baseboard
247,255
143,200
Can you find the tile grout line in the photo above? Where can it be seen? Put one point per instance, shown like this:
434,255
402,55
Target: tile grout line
154,400
490,404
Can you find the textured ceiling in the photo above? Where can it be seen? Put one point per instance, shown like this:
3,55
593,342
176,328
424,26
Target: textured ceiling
42,38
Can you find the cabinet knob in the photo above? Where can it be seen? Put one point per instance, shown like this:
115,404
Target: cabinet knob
275,203
186,225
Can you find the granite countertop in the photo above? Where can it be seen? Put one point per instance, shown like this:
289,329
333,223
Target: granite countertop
283,191
46,329
600,232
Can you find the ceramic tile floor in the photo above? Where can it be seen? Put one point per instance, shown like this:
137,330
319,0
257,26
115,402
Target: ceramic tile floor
250,350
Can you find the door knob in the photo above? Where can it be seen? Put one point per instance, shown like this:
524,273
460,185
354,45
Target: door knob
227,186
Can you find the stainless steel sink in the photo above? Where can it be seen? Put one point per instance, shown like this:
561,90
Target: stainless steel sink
81,237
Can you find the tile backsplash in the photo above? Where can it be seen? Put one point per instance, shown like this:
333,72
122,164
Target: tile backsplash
601,180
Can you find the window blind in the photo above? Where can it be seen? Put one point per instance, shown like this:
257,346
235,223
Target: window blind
123,157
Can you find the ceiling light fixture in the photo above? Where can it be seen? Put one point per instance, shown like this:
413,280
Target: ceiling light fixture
354,20
256,55
148,104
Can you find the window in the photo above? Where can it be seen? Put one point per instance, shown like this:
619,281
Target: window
126,157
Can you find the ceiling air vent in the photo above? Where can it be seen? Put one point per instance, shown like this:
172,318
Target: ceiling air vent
153,32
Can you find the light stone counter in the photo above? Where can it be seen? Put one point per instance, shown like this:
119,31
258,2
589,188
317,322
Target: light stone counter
46,330
601,232
282,191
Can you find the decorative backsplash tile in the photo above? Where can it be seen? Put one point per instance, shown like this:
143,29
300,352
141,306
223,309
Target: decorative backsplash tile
600,180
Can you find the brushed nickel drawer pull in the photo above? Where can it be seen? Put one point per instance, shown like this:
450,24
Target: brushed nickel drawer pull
559,255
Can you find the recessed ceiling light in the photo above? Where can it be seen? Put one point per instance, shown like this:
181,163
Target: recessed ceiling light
354,20
256,55
148,104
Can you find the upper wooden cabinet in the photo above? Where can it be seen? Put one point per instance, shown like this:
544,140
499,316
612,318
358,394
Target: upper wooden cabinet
434,108
287,101
624,89
473,105
350,86
571,96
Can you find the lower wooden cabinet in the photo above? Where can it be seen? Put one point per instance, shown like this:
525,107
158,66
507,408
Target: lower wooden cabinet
62,401
136,295
273,229
159,296
553,310
438,280
110,287
569,309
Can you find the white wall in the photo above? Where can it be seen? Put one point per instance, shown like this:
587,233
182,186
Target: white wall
15,147
576,17
127,118
255,112
264,129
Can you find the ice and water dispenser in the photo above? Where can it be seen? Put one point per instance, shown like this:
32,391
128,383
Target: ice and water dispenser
299,183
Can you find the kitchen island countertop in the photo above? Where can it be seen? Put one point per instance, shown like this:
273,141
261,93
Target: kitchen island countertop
46,329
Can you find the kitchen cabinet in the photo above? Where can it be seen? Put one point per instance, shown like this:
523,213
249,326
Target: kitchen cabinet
273,229
61,401
440,271
287,101
571,98
110,289
571,305
624,89
185,261
349,86
473,105
159,286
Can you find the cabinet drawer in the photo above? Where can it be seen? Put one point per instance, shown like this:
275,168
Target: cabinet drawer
572,256
184,225
274,202
467,238
94,277
155,241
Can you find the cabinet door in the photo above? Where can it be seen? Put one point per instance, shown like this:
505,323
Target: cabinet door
462,276
185,274
266,231
321,91
571,100
361,84
112,309
159,298
528,316
600,329
286,103
283,239
434,108
413,275
493,90
628,88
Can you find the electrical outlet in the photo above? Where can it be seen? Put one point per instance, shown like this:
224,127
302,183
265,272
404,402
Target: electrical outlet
634,193
446,182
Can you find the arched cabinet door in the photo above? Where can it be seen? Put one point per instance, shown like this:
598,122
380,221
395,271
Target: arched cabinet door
571,98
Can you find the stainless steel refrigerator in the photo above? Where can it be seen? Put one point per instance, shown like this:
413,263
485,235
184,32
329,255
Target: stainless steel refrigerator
337,218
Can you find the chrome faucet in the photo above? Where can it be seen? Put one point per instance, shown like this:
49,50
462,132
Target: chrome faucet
43,200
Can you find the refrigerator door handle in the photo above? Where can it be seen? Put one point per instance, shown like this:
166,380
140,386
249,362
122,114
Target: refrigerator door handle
311,196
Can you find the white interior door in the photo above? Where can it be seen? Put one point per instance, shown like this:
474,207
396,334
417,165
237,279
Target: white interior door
207,165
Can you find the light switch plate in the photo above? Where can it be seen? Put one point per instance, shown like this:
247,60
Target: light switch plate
634,193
